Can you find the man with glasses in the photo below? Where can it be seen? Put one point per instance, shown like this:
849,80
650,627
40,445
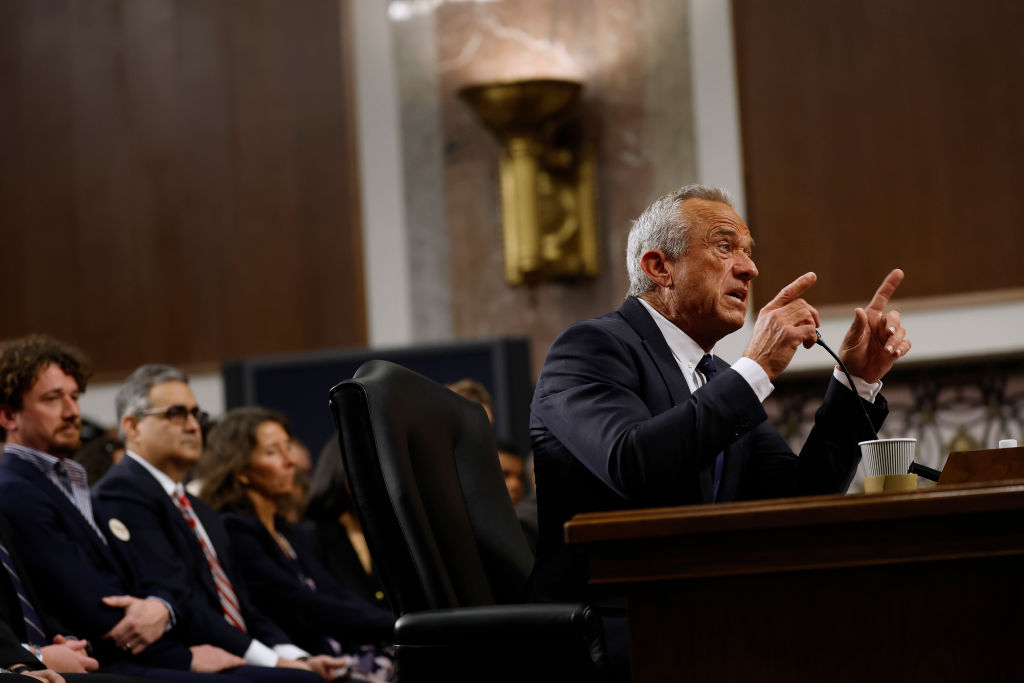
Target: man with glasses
76,555
181,541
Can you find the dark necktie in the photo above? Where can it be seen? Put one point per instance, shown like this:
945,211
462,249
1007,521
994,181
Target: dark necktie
706,367
33,626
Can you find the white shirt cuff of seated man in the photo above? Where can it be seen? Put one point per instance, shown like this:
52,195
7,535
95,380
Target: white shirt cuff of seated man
259,654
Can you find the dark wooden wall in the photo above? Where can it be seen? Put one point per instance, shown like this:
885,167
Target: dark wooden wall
881,133
178,178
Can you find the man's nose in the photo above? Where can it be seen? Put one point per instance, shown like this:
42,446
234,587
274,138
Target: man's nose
71,407
192,422
744,267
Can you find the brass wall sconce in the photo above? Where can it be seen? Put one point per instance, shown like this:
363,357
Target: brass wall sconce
548,186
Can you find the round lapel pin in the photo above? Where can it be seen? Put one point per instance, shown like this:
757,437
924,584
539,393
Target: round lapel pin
119,530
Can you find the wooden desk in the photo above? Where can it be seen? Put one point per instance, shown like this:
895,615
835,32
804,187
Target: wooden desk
925,585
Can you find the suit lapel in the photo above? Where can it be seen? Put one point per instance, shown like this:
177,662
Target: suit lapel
657,348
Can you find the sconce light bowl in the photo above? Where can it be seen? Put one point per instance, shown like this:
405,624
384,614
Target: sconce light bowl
547,177
511,108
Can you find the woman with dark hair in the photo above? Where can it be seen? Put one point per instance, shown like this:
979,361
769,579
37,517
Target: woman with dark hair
247,473
334,530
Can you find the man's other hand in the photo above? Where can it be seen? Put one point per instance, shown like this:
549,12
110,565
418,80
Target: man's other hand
785,322
69,656
143,623
208,659
45,675
875,338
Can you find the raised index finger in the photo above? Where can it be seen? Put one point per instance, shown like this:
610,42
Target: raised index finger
793,291
886,290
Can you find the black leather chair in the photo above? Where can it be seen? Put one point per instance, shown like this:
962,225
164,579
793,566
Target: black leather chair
424,473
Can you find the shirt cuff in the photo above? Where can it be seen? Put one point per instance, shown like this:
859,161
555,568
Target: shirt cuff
170,611
258,654
865,389
289,651
756,377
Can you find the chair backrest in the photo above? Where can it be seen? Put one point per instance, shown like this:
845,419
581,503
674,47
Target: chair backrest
427,485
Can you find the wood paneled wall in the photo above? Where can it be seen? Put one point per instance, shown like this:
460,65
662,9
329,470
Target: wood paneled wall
880,134
178,178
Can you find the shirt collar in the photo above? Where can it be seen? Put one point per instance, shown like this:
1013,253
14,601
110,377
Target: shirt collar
45,462
169,486
686,351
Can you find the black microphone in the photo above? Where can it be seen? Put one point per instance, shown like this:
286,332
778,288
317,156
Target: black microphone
920,470
849,378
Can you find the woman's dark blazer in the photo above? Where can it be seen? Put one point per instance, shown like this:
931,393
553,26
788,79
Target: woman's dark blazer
306,615
330,544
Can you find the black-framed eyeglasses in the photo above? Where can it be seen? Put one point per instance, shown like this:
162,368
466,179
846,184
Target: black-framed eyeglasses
178,413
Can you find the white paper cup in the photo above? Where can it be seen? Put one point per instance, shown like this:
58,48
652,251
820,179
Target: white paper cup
887,456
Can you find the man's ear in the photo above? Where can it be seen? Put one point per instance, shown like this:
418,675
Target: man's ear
129,425
655,264
7,419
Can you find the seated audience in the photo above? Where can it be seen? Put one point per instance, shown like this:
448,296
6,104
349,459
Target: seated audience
79,557
180,541
333,528
29,636
247,472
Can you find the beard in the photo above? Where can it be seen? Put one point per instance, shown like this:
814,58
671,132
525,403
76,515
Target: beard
60,444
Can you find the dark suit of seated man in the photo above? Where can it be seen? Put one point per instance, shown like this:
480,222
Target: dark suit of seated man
632,410
181,542
78,555
26,629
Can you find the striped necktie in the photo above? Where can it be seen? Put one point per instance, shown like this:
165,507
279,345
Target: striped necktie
228,599
33,625
706,367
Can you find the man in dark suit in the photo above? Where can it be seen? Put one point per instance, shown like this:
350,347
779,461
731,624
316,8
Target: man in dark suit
20,613
77,555
631,410
180,540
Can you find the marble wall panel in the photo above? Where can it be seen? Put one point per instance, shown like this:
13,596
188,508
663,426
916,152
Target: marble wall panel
632,57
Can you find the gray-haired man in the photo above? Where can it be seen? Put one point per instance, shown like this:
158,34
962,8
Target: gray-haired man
181,541
633,410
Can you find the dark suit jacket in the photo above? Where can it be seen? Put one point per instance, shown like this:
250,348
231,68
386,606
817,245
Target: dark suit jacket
12,621
170,554
614,426
306,615
11,651
328,539
74,569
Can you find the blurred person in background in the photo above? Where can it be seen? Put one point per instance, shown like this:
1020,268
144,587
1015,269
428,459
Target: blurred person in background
334,530
292,508
101,449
